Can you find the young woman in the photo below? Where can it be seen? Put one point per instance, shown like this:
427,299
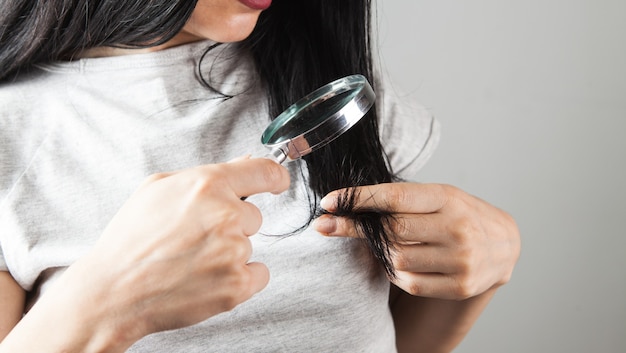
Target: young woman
122,228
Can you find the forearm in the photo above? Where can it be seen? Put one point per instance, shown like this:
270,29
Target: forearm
68,318
12,298
41,334
434,325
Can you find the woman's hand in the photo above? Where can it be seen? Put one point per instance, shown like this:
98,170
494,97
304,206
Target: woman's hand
448,244
175,254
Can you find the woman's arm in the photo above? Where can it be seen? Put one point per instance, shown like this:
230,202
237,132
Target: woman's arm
12,298
450,252
62,321
175,254
433,325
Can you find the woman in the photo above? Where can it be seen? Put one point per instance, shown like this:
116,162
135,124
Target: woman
97,95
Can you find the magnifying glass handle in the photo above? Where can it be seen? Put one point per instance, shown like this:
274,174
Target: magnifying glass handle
277,155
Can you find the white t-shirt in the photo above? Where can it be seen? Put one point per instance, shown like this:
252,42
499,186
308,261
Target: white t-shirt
77,138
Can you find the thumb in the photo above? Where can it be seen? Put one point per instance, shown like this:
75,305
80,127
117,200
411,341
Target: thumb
330,225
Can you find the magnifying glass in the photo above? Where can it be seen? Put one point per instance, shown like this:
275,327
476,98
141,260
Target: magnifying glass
318,118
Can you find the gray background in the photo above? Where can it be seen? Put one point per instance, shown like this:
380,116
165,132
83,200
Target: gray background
532,98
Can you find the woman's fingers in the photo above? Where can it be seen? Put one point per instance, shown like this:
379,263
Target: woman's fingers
256,175
446,243
418,244
394,198
244,176
406,228
437,285
212,193
259,277
250,218
428,258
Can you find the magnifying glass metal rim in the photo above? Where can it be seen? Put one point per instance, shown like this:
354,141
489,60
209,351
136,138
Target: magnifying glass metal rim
292,148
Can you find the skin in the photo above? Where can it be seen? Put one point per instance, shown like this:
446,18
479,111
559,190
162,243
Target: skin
12,299
155,275
219,20
452,250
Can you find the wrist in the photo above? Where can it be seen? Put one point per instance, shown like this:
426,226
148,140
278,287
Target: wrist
74,315
104,322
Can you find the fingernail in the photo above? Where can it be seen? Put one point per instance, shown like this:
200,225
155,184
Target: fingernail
328,202
325,224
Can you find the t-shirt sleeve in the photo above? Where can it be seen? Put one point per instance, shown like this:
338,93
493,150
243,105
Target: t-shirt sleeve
409,134
3,263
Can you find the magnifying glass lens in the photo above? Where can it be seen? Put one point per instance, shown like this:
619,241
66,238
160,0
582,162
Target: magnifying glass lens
318,118
300,119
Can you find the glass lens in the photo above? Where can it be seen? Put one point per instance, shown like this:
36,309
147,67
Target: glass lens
301,118
319,118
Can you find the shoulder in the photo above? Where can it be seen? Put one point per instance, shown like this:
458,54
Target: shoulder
409,132
23,96
23,125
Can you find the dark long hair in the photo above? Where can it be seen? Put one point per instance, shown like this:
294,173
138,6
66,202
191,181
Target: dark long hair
297,46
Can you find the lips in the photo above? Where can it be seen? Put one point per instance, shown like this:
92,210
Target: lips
257,4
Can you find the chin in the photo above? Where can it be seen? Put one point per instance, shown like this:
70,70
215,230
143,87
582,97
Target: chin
234,29
231,37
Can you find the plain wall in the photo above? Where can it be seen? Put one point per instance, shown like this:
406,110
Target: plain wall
532,99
